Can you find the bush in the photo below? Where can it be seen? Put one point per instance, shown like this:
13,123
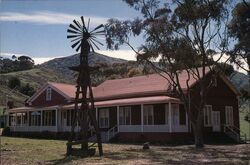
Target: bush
6,131
14,82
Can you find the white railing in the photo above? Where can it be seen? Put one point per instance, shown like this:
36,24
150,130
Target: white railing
236,135
112,132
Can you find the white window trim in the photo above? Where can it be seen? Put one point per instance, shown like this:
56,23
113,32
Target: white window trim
107,111
229,119
206,110
146,111
48,94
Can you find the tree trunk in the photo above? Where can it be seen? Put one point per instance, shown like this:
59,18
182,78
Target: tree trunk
198,135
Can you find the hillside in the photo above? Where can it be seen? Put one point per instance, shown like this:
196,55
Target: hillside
35,77
56,70
240,80
60,65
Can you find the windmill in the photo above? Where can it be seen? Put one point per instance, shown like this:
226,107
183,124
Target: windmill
83,115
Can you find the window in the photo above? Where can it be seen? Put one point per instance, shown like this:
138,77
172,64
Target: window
175,111
35,118
104,118
48,94
182,115
125,116
68,117
12,120
49,118
18,119
229,115
166,113
148,115
207,115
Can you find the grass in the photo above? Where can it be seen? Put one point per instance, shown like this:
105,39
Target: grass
35,77
34,151
244,125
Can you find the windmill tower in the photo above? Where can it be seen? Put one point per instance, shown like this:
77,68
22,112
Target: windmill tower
83,114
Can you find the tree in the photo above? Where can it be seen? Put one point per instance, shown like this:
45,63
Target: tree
27,90
239,28
25,62
181,36
14,82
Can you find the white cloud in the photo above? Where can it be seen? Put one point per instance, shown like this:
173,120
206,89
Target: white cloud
225,58
37,60
123,54
47,17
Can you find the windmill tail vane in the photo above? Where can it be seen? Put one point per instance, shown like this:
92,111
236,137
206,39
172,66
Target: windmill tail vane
84,40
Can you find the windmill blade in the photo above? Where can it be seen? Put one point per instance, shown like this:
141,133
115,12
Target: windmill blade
78,47
73,27
93,50
77,24
74,45
78,38
72,31
102,32
72,36
94,44
88,23
83,24
80,25
97,41
98,27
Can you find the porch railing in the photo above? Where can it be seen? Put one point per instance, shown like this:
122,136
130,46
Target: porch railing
235,133
112,132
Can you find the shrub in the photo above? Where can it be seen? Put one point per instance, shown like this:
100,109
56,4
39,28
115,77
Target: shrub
6,131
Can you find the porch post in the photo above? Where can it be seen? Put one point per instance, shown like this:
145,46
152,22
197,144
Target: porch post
28,118
96,114
21,119
118,119
41,123
7,119
170,117
142,122
56,120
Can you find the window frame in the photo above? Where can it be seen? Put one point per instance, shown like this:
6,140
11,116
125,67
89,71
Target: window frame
124,112
207,111
148,110
229,119
104,115
48,94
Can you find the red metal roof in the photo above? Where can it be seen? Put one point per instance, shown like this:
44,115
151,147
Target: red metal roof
153,84
67,89
139,100
131,101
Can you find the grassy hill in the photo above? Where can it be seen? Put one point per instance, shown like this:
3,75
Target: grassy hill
35,77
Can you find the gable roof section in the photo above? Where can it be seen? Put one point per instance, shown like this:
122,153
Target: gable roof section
66,90
152,84
229,84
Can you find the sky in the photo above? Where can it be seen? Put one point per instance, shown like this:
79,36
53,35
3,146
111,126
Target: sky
37,28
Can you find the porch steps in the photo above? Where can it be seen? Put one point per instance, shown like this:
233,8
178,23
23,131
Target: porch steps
235,134
106,136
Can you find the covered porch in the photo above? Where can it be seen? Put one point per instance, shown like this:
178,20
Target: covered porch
145,114
27,119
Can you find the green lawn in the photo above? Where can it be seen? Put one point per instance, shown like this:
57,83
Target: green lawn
34,151
244,125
